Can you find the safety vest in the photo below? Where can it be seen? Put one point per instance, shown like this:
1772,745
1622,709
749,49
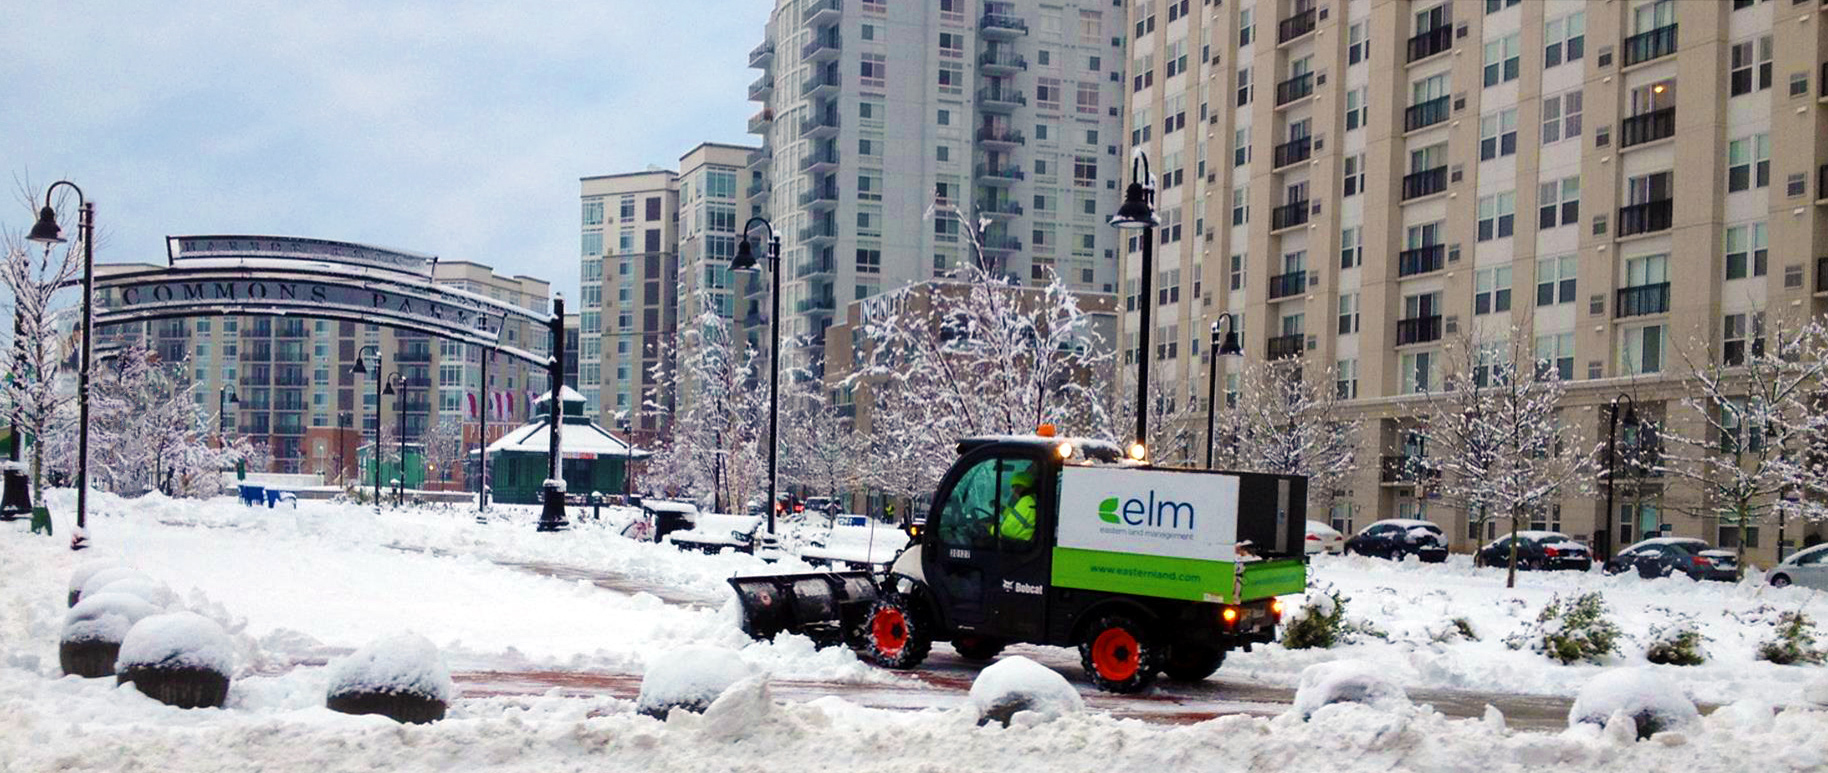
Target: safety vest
1019,519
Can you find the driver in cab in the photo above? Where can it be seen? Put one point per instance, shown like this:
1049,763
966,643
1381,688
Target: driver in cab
1018,519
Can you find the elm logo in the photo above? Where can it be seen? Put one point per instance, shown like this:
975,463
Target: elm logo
1145,512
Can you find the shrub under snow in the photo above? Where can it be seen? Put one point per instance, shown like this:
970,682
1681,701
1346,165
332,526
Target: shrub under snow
689,678
1793,642
1677,644
1016,684
1321,623
1570,630
402,676
1345,681
1651,702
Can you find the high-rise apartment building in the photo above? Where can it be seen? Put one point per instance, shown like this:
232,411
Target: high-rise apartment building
890,128
1629,182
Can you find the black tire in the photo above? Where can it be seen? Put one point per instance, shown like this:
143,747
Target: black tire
1192,662
1119,655
977,648
1780,581
896,632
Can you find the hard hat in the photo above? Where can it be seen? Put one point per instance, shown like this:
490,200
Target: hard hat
1022,479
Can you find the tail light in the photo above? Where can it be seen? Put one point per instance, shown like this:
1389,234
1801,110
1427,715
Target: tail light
1275,610
1313,538
1551,552
1703,561
1229,615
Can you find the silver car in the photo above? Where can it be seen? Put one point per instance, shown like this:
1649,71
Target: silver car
1808,568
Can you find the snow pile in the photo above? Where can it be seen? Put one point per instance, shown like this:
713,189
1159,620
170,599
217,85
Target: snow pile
689,678
1346,681
102,578
1816,692
741,711
105,617
1015,685
1637,695
87,570
154,592
404,663
177,640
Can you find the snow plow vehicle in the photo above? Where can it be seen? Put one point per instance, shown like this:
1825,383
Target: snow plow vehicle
1042,540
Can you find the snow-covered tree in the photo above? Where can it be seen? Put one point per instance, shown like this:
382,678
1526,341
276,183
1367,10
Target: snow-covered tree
1287,420
820,451
145,425
29,394
444,448
1494,436
717,438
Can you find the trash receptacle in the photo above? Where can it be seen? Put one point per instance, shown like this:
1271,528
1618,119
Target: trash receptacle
253,495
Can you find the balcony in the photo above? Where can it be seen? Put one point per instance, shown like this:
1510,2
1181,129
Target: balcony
818,162
1000,209
819,126
1418,330
1294,151
819,50
817,86
1648,217
1002,244
1288,215
761,88
1001,63
992,135
1001,99
814,304
759,158
1421,260
422,355
1429,43
999,175
1647,127
291,381
1294,88
256,355
293,356
1403,469
762,54
760,190
1295,26
257,379
293,328
254,428
1424,114
1286,346
289,405
1646,46
1821,275
817,234
1424,183
820,12
1641,300
998,26
758,123
819,199
1285,285
813,268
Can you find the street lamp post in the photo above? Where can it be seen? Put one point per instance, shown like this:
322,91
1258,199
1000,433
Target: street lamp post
224,398
552,492
46,232
1138,212
1612,458
746,261
361,369
1222,346
628,457
400,410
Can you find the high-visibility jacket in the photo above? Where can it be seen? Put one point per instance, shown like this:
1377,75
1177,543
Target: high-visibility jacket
1019,519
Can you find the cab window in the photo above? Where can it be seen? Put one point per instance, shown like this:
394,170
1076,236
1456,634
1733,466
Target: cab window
968,518
1020,512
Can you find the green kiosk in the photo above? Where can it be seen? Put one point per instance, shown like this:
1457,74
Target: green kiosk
593,459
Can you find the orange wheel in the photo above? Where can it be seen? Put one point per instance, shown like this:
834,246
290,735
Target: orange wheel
890,629
1119,655
894,633
1114,654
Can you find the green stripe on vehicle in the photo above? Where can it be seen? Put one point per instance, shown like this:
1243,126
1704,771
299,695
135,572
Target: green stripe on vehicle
1186,579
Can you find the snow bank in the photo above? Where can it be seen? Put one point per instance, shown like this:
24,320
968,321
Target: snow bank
404,663
1016,684
1640,695
741,711
689,678
105,617
1817,692
1346,681
177,640
154,592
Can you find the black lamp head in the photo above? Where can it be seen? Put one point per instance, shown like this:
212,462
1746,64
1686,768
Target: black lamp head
234,399
1231,347
45,231
1136,211
389,388
745,257
361,366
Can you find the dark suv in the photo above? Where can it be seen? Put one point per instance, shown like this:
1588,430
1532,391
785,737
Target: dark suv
1538,550
1399,537
1664,556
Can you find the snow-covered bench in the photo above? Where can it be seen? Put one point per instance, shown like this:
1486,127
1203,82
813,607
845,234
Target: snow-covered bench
856,542
714,533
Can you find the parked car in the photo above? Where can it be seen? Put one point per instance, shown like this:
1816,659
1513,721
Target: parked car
1538,550
1322,538
1807,567
1664,556
1396,538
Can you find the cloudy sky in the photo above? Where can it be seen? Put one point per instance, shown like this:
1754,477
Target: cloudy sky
453,128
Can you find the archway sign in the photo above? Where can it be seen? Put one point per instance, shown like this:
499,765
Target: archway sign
322,279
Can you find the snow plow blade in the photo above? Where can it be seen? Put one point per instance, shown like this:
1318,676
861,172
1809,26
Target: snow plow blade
818,605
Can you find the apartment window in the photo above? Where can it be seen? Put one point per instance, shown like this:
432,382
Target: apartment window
1358,43
1174,110
1494,6
1498,134
1085,171
1658,15
1741,330
1243,86
1502,60
1240,205
1555,280
1177,10
1247,27
1556,351
1748,163
1088,98
1144,67
1564,39
1561,117
1751,66
1141,123
869,261
1351,247
874,68
1492,290
1348,313
1746,251
1168,288
1240,146
1428,89
1646,270
593,213
1418,372
951,45
1047,93
1145,19
593,243
1355,174
1558,203
1643,349
1176,61
1357,112
1237,271
1497,215
1345,379
627,209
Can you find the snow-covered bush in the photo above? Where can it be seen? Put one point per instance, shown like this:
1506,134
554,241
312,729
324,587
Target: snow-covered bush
1646,698
181,659
1570,630
402,676
1457,629
93,630
1345,681
1321,623
1676,644
1793,642
1016,684
85,571
689,678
